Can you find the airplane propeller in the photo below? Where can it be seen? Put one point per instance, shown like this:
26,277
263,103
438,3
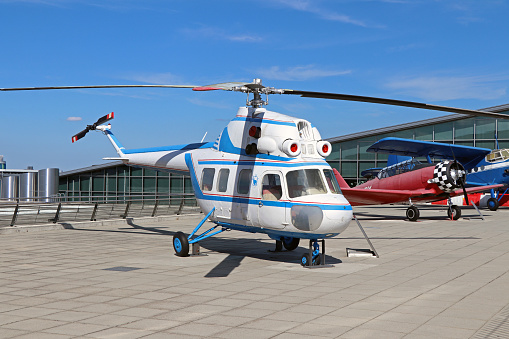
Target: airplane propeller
92,127
461,178
256,88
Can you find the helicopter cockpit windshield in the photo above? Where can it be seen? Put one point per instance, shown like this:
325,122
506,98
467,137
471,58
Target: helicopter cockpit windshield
309,181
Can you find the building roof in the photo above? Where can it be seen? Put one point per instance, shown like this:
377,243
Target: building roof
415,124
92,168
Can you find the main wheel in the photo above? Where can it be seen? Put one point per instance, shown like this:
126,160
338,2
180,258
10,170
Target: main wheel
290,243
181,244
493,204
412,213
456,212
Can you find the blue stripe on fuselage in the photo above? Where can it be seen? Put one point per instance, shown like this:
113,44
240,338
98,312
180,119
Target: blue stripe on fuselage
184,147
265,121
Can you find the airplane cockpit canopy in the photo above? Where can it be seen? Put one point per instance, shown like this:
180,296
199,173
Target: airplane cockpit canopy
402,167
498,155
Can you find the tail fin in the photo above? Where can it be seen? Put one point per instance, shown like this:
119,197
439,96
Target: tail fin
114,141
342,183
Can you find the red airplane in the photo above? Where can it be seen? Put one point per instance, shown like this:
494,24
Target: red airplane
410,181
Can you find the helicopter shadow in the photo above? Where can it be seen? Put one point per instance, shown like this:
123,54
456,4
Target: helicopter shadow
236,248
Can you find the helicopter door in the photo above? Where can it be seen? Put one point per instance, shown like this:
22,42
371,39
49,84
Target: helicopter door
272,207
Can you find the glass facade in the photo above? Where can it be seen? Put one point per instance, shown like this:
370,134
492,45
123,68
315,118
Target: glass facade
350,158
120,183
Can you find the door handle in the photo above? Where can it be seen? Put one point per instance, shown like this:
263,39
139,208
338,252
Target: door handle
260,204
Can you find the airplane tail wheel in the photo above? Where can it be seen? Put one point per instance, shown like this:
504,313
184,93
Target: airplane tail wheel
412,213
290,243
305,261
456,212
493,204
181,244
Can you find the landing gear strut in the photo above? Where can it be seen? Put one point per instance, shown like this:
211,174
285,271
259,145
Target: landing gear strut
314,259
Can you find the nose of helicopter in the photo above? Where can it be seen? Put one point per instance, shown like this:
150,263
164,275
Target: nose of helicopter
329,214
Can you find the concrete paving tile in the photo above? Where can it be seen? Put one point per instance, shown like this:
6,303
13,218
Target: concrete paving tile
371,333
42,335
274,325
152,324
120,333
219,319
11,333
205,330
109,320
33,324
324,330
443,331
459,321
239,332
31,312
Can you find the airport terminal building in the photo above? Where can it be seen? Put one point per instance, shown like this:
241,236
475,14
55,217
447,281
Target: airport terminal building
118,182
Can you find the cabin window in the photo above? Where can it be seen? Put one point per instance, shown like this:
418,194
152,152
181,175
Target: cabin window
330,178
305,182
207,178
271,187
244,181
222,180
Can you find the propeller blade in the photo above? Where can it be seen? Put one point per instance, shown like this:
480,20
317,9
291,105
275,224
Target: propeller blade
100,86
104,119
80,135
461,179
374,100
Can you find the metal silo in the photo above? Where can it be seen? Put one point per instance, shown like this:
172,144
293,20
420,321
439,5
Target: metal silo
9,188
48,184
27,186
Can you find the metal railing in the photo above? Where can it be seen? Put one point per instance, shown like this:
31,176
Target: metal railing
62,208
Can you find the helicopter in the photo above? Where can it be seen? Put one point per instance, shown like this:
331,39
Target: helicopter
265,173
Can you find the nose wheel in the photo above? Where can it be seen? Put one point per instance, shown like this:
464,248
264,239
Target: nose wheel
314,258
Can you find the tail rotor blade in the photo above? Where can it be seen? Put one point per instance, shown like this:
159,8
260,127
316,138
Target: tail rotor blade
80,135
105,118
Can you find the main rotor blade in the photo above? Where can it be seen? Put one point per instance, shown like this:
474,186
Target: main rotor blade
374,100
100,86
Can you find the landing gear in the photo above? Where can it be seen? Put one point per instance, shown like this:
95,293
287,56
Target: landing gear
412,213
454,212
314,258
493,204
290,243
181,244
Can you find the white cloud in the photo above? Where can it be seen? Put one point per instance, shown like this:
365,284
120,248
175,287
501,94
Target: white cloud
299,73
326,14
441,88
74,119
220,34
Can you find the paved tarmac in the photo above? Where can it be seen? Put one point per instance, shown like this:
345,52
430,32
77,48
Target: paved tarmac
435,278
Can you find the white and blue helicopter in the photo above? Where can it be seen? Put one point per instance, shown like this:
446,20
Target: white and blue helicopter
265,173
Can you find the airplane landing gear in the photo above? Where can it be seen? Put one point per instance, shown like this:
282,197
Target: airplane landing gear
412,213
454,212
493,204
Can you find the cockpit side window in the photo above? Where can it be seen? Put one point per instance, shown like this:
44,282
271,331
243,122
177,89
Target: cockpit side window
271,187
207,179
244,181
222,180
498,155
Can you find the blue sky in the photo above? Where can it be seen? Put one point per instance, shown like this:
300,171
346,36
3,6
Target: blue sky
451,53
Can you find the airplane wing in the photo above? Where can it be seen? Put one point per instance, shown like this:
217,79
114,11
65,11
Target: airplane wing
362,196
466,155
